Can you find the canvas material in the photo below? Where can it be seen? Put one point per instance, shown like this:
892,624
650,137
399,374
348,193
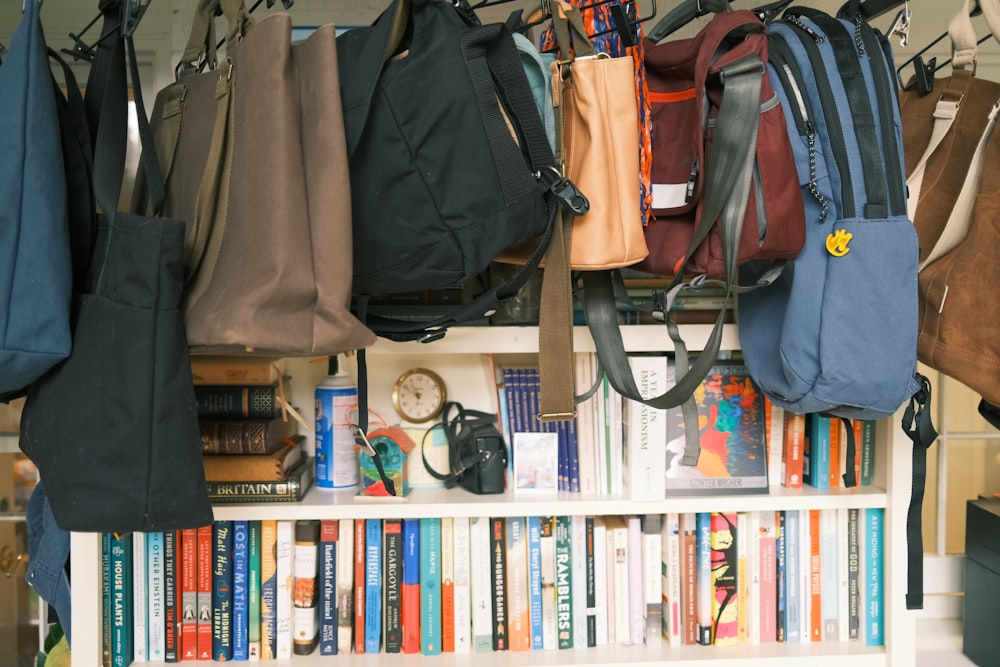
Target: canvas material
438,184
837,334
685,90
35,265
274,277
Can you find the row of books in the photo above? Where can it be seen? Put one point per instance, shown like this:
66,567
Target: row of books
257,590
621,447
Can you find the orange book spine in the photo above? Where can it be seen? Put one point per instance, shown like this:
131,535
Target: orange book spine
858,426
792,458
411,586
189,593
359,587
836,469
815,579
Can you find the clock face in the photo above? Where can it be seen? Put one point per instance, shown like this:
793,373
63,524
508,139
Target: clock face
419,395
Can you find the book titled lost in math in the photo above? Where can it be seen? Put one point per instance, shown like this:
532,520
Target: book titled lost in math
731,429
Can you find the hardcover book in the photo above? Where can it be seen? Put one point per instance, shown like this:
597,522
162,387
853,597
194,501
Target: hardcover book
245,436
236,370
239,401
273,467
733,444
329,535
646,430
290,490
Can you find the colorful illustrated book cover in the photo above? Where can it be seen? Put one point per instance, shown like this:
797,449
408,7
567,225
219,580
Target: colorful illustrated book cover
733,444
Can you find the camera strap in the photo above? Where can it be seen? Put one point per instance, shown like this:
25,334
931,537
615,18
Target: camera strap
462,426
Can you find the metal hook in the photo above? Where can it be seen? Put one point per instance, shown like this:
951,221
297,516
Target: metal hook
901,24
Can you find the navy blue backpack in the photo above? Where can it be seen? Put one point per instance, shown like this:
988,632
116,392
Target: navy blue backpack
837,331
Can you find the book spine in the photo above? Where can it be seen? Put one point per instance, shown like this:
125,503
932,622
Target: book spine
652,565
241,589
601,592
704,578
817,472
792,456
636,599
498,583
774,417
359,586
290,490
237,402
411,586
373,585
768,582
867,447
742,576
242,370
815,578
430,586
836,458
793,604
547,557
268,588
329,534
620,546
305,589
106,611
222,591
874,580
518,613
805,577
157,596
241,436
780,578
447,585
725,602
750,584
284,558
122,627
578,555
203,552
689,578
564,581
345,585
591,583
393,583
853,574
171,601
843,576
481,584
463,585
671,580
646,446
140,595
830,569
585,425
253,589
188,568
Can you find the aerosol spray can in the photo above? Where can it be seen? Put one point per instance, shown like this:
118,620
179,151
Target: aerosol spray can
336,457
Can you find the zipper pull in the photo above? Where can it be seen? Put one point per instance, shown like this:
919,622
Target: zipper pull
796,20
692,180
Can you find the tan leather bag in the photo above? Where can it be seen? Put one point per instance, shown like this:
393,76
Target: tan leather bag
255,161
948,149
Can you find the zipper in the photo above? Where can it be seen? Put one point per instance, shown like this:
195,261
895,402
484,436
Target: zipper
790,75
758,191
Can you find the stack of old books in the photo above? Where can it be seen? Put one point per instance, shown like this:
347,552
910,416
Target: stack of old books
250,443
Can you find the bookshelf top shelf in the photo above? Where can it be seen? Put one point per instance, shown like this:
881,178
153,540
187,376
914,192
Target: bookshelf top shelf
424,502
509,340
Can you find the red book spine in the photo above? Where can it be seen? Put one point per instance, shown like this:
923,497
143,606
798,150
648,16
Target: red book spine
411,586
189,593
792,458
359,587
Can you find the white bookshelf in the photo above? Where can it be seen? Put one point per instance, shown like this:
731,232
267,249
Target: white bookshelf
459,358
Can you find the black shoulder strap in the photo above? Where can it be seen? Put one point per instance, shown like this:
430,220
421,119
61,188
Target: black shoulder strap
918,427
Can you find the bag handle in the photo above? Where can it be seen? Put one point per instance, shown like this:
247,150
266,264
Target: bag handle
964,41
202,40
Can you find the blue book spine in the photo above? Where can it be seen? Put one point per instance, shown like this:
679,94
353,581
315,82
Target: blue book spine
122,628
222,591
241,590
874,619
535,581
703,555
793,603
373,585
567,429
818,468
430,586
779,578
329,534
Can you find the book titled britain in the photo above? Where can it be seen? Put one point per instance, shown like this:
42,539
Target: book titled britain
731,427
290,490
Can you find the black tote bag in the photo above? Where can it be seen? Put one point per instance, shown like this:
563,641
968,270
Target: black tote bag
114,428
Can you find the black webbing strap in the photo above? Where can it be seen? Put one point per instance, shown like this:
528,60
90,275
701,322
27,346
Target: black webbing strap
918,427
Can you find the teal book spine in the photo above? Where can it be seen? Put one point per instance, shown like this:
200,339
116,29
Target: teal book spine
874,578
430,586
373,585
819,452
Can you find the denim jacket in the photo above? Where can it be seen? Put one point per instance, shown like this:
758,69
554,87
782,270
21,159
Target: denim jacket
48,554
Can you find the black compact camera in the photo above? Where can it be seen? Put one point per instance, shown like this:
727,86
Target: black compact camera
477,452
